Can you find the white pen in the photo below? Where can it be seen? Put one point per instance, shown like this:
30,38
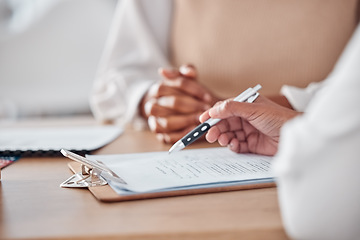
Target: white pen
249,95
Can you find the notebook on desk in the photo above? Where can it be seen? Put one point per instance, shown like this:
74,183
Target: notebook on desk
49,141
158,174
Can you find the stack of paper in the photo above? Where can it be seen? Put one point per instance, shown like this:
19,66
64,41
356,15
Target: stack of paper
187,169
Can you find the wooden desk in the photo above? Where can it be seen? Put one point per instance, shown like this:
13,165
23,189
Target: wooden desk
33,206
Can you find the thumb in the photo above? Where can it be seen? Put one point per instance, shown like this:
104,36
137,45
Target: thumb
188,70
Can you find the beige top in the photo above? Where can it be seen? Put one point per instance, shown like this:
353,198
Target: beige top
237,44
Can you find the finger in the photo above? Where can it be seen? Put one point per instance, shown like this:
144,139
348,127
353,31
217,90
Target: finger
230,108
173,123
152,123
182,104
234,145
169,73
218,103
248,128
191,88
225,138
160,89
205,115
235,124
227,108
152,107
244,147
223,126
188,70
213,134
238,146
253,141
240,135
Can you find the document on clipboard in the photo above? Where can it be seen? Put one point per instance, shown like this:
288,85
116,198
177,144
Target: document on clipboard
158,174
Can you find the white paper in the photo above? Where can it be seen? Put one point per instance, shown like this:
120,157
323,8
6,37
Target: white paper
48,138
159,171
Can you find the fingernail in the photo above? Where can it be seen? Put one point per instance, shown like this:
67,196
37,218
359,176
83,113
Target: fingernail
166,101
152,123
162,122
160,137
147,107
184,70
166,138
200,117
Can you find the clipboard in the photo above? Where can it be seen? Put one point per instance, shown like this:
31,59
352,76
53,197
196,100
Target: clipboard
89,177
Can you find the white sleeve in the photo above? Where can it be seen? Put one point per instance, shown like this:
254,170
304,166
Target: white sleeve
299,98
136,47
318,162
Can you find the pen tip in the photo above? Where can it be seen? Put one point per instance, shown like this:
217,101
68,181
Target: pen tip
177,146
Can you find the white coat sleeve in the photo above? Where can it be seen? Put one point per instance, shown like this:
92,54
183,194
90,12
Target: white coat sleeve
318,162
136,47
299,98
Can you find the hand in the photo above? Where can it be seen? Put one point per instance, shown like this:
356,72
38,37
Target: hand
173,105
248,127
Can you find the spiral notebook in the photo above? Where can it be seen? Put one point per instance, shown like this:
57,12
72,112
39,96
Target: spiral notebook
48,141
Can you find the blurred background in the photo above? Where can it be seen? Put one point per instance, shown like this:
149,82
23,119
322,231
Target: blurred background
49,53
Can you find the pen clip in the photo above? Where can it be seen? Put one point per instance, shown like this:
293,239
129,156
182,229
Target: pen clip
252,98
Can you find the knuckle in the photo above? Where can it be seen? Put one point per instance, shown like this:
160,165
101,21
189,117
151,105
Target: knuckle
224,106
176,102
183,83
227,104
217,104
153,110
161,89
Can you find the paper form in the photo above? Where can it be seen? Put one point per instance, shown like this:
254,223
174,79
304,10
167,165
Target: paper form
157,171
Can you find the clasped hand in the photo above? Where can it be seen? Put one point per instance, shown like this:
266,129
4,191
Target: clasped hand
174,104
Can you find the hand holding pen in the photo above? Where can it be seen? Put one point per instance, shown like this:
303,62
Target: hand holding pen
248,128
248,95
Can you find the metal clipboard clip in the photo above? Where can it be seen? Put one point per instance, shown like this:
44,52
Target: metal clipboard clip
90,175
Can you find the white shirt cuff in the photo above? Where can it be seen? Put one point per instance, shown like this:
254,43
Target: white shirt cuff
299,98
